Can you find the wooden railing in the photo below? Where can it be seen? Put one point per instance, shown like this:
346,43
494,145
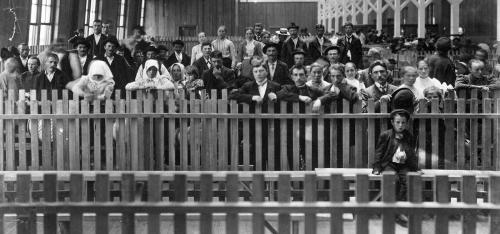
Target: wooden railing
150,199
159,132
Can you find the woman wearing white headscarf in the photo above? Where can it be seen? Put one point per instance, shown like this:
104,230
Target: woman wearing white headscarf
98,84
151,78
178,73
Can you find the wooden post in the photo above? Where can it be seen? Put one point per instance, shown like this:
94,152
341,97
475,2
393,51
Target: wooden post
454,15
366,12
421,5
379,15
397,18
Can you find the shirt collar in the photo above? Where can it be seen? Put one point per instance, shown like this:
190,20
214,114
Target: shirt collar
261,83
379,86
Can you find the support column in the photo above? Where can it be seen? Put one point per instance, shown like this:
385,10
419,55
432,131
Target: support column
353,12
454,15
397,18
365,11
421,19
379,15
344,11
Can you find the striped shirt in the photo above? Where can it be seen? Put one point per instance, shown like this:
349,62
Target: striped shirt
226,47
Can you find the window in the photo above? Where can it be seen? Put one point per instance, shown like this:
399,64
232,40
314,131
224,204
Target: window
91,14
143,9
41,22
430,18
120,29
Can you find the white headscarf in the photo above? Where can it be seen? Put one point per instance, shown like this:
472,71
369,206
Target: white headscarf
98,67
148,64
183,72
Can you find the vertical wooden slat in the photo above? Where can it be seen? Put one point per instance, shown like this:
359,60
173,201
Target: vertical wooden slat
284,192
414,196
141,97
358,139
494,198
76,195
422,136
258,188
50,195
47,135
246,139
171,135
362,196
442,195
180,195
59,135
85,137
283,140
258,139
183,136
222,132
2,200
102,195
486,136
295,138
159,130
310,195
449,139
134,138
128,193
334,154
154,195
435,134
383,109
26,221
474,108
461,135
388,196
74,155
213,132
65,110
122,156
308,135
235,140
321,143
336,195
346,131
232,196
371,134
109,135
271,144
206,183
148,135
10,134
97,136
21,109
496,160
468,194
2,140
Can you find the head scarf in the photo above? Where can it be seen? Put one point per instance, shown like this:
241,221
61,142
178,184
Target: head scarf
149,64
183,71
98,67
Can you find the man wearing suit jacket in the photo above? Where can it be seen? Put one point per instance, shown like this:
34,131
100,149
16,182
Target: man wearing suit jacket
218,76
278,71
24,52
291,44
380,90
106,29
318,45
117,65
203,63
352,50
96,40
178,56
82,48
260,90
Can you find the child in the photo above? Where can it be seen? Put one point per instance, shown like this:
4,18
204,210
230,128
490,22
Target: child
151,79
97,85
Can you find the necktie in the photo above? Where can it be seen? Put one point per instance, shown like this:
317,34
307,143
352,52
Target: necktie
208,64
272,70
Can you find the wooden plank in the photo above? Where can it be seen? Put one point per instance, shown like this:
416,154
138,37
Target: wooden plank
474,108
258,189
346,130
59,137
441,195
283,140
334,154
85,124
496,160
65,110
295,139
196,134
213,132
232,220
180,195
47,136
422,136
154,195
271,144
308,135
50,195
122,156
2,200
235,140
183,136
468,194
128,195
76,195
10,136
284,192
336,195
2,140
358,138
74,155
321,143
97,137
102,195
388,196
171,136
494,198
141,96
149,153
362,196
160,134
223,145
449,138
486,136
109,135
258,139
461,135
383,109
310,195
135,138
414,196
435,134
21,135
26,222
372,140
206,184
246,139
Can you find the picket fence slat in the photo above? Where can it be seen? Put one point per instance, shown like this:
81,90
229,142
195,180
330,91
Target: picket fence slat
206,183
102,186
441,196
388,195
284,191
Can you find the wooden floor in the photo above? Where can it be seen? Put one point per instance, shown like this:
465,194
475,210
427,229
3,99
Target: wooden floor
246,225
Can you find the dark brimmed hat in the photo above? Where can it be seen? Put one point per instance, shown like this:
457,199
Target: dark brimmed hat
298,51
178,42
443,44
403,98
292,25
331,48
269,45
402,112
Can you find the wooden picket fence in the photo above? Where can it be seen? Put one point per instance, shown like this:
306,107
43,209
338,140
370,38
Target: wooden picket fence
155,131
146,201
